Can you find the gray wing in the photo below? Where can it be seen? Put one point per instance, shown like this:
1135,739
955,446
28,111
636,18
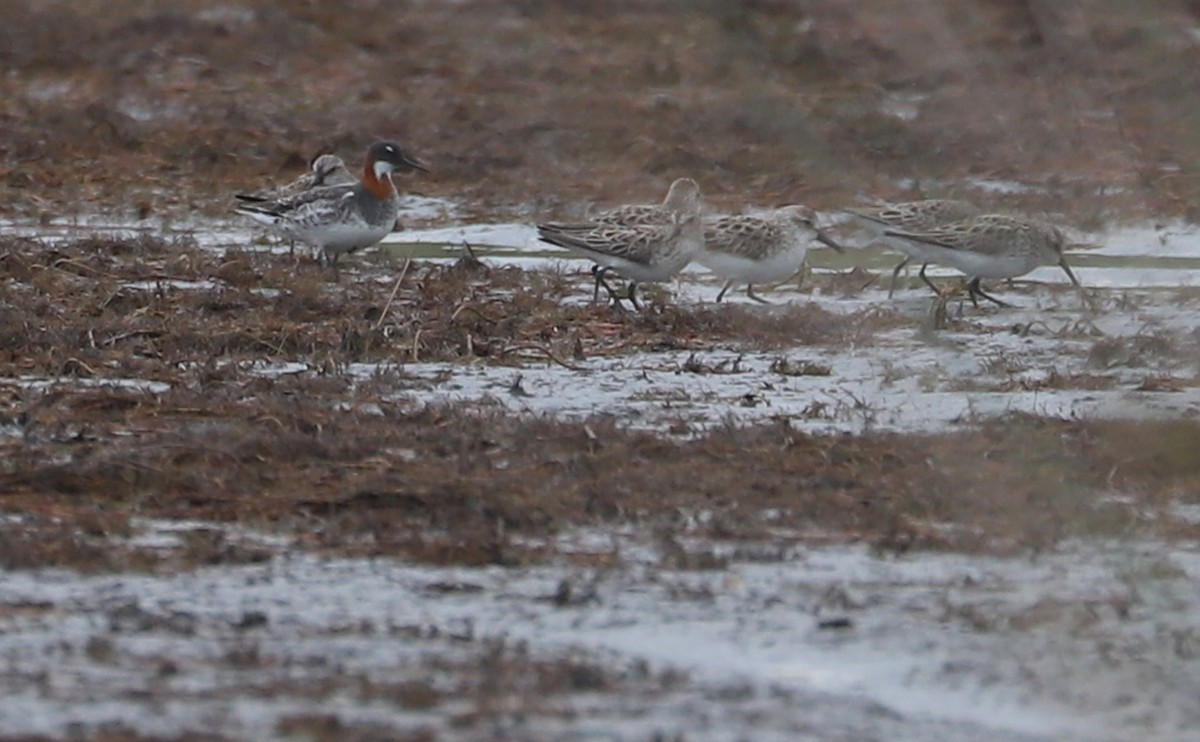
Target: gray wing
746,236
306,182
982,238
312,207
337,176
632,243
633,215
918,216
303,183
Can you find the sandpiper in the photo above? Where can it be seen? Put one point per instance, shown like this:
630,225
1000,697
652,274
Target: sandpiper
651,250
912,216
337,219
989,246
326,170
682,194
760,248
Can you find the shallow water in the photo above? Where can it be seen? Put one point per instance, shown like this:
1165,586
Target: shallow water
990,361
1076,645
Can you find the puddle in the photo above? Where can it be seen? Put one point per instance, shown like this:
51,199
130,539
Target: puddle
137,385
1049,355
1087,643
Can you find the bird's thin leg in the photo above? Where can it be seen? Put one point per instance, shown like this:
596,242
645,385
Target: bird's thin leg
721,295
612,295
925,278
896,276
633,296
750,293
599,273
975,290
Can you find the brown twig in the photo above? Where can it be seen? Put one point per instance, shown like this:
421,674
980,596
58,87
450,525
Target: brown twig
388,304
541,349
464,307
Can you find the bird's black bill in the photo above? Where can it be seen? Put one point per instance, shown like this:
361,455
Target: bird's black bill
827,240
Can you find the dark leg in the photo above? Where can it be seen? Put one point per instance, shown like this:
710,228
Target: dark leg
974,289
754,296
723,290
925,278
598,274
633,296
896,276
612,295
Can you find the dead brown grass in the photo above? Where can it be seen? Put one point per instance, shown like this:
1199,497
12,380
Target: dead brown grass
145,109
363,467
102,308
452,486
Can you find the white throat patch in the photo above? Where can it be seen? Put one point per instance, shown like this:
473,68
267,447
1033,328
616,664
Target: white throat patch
382,168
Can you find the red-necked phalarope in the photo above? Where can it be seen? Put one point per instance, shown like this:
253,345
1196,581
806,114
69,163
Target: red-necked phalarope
643,251
760,248
338,219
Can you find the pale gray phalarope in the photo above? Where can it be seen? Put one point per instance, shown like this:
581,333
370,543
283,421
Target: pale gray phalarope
325,170
760,248
338,219
651,247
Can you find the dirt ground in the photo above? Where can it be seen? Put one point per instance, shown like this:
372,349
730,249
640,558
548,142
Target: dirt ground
536,105
181,426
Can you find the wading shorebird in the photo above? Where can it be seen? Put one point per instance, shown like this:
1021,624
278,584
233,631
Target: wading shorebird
338,219
911,216
681,195
762,248
650,248
326,170
988,246
638,215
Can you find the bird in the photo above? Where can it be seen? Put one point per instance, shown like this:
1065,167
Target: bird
635,215
338,219
760,248
682,193
989,246
651,247
325,170
911,216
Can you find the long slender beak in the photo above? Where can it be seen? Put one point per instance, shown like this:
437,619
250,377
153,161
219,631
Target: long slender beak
826,239
1062,262
414,164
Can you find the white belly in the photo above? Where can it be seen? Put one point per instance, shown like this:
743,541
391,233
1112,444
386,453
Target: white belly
340,238
978,265
746,270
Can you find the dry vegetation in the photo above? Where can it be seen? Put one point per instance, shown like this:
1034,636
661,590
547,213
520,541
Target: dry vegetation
134,106
358,465
125,394
150,108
